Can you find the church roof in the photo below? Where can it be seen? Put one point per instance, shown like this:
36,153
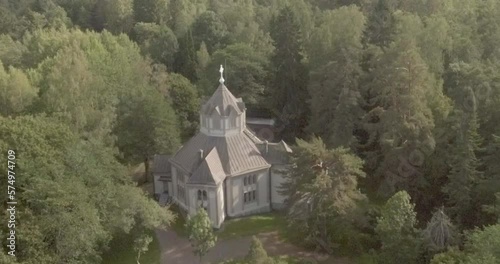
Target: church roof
210,170
276,153
237,153
223,102
161,164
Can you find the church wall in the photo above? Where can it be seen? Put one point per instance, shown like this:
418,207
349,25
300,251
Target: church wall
276,180
174,182
236,184
158,185
220,203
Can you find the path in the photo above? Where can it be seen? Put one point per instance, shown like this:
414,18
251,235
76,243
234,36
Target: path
177,250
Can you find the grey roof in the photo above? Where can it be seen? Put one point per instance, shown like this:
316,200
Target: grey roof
161,164
237,153
277,153
223,102
210,170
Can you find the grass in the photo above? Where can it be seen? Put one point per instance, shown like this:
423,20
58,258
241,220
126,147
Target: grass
252,225
121,251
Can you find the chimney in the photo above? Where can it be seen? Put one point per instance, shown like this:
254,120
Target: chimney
201,154
267,146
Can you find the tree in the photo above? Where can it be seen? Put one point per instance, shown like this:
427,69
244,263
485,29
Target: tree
141,245
201,235
244,72
440,233
288,87
185,102
16,91
257,254
157,41
151,11
396,230
185,59
381,24
115,16
76,195
322,194
464,175
146,125
209,28
335,55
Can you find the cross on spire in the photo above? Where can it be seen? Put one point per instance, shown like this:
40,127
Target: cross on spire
221,70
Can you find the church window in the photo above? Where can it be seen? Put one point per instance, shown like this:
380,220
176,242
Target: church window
250,193
203,199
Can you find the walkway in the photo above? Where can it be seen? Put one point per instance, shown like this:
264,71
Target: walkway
177,250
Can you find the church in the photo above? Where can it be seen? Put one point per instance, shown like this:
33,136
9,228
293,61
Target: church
225,168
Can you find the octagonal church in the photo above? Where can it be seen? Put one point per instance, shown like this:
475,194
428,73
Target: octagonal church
225,168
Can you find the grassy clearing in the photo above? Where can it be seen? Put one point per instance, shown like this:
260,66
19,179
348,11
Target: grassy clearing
252,225
121,251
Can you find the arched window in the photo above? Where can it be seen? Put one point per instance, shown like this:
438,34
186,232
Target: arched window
203,199
199,195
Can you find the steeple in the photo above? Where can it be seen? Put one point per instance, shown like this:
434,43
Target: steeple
223,113
221,80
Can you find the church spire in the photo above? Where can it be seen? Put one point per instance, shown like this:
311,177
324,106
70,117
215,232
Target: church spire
221,70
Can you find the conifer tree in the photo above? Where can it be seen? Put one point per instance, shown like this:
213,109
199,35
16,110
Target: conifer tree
440,233
464,175
290,75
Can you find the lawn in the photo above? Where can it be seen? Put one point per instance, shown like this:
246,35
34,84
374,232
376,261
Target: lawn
121,251
252,225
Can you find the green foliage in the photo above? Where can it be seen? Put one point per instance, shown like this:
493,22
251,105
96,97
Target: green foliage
396,230
209,28
257,254
335,96
150,11
157,41
146,125
16,91
76,195
288,87
323,198
201,235
245,72
185,102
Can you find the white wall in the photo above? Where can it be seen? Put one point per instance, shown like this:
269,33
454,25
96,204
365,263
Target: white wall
158,185
220,203
276,180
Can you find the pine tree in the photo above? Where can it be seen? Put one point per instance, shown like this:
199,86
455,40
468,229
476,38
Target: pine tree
464,175
440,233
290,75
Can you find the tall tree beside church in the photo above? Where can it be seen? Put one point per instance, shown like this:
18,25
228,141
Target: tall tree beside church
146,125
322,192
290,75
335,53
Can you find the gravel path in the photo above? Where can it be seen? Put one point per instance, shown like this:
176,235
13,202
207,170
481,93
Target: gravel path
177,250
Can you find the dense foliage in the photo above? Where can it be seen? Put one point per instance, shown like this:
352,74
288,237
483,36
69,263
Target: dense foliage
395,104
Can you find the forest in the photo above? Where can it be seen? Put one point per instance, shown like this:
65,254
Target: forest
392,108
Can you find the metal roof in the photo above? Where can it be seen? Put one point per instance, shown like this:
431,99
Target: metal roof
161,164
210,170
223,102
237,153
